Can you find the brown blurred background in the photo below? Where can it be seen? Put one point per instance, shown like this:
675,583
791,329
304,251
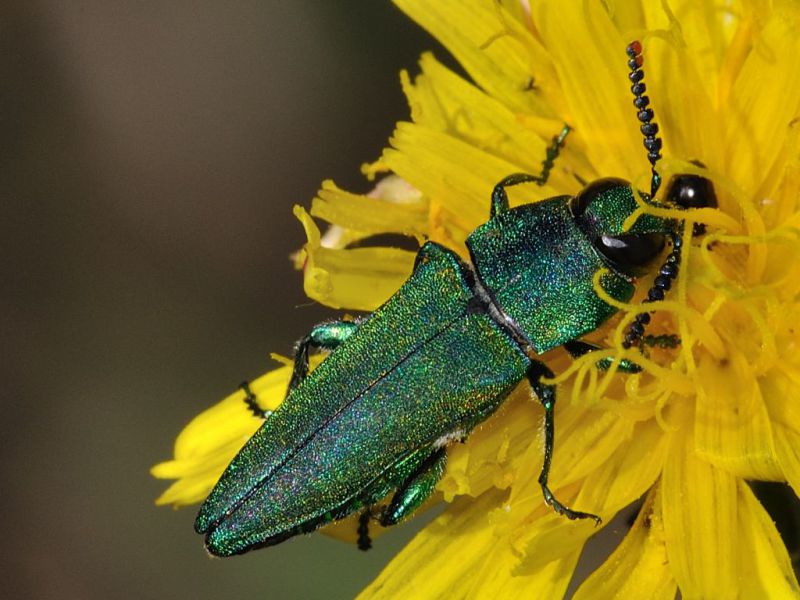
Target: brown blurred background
151,155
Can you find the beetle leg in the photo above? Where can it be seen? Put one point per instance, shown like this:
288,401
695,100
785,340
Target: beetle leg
416,488
251,401
578,348
364,541
325,336
499,196
547,396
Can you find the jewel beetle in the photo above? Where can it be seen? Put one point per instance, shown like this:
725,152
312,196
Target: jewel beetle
374,419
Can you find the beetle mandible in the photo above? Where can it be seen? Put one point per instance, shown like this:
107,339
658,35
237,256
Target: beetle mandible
443,353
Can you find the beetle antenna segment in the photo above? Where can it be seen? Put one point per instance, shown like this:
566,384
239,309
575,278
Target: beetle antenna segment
645,115
661,284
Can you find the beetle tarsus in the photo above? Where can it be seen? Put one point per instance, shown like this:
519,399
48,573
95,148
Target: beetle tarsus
565,511
499,195
364,541
251,401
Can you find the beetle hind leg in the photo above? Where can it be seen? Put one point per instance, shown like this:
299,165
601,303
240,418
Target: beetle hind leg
547,396
416,489
364,541
413,480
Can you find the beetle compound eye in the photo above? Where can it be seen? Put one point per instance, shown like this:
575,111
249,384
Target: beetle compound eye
595,190
692,191
631,253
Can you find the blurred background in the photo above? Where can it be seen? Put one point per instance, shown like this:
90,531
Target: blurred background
151,155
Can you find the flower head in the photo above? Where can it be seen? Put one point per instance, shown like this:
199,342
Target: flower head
702,418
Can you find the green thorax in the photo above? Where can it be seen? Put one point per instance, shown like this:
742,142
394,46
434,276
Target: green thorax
538,266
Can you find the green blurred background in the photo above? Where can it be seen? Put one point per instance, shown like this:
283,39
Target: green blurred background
151,155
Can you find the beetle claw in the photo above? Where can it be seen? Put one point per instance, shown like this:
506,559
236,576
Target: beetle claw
560,509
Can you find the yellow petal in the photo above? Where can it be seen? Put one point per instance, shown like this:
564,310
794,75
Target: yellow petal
699,30
438,562
766,569
370,215
628,473
682,102
485,459
780,395
357,279
617,481
732,427
208,443
442,100
764,100
585,439
589,54
498,52
463,554
628,15
638,567
453,173
700,523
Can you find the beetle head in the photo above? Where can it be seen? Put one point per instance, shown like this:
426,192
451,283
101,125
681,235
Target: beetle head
601,210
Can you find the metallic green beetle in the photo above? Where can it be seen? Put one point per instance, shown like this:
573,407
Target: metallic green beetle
443,353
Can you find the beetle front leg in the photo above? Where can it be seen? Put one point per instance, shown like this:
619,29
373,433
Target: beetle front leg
499,196
577,348
547,396
326,336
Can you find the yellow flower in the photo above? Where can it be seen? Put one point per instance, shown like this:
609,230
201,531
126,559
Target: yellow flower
702,419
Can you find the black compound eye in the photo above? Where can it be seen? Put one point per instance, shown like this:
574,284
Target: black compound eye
692,191
631,253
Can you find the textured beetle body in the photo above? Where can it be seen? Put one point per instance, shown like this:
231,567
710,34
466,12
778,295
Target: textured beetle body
423,365
538,266
439,357
444,352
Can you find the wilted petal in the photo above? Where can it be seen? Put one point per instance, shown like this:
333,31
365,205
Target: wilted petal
358,279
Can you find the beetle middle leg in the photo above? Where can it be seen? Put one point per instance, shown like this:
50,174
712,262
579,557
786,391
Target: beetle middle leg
499,196
547,396
325,336
251,401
